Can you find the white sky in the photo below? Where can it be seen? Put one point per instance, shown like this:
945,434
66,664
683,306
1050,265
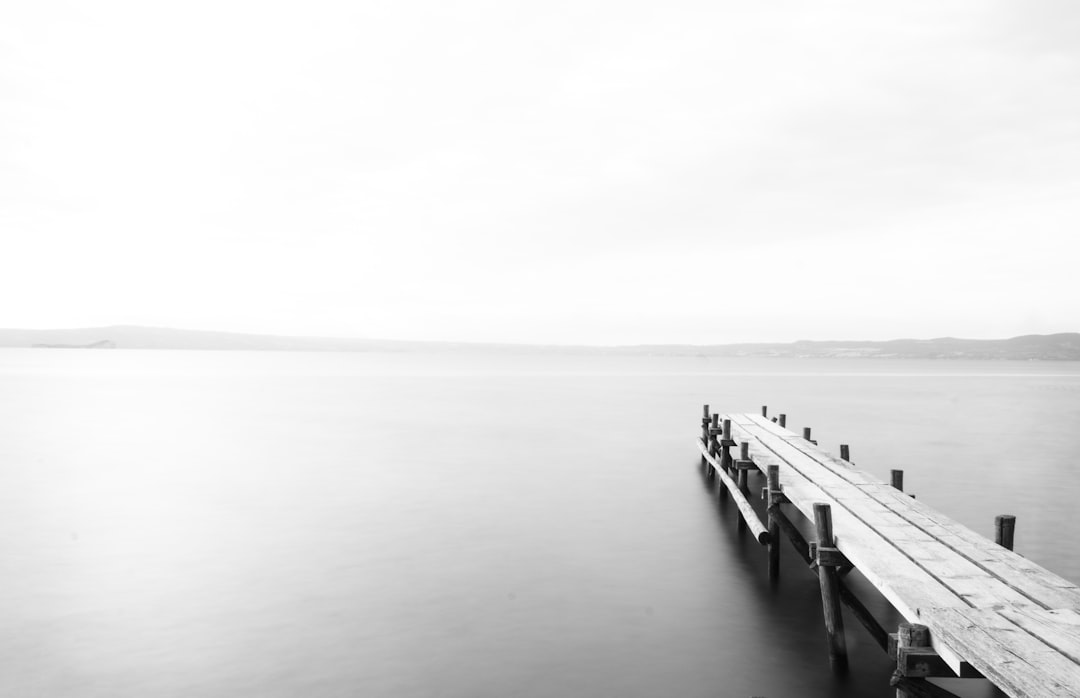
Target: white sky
563,172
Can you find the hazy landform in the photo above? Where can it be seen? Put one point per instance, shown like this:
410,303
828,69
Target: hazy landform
1063,346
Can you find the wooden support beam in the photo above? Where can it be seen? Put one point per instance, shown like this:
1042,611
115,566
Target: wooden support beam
1004,528
806,433
764,410
830,591
774,494
919,688
783,421
746,510
793,534
845,453
896,479
909,636
863,615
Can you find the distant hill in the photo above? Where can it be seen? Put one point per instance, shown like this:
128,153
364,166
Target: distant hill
1063,347
1048,347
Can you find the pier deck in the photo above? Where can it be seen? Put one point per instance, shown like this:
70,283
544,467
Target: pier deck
988,609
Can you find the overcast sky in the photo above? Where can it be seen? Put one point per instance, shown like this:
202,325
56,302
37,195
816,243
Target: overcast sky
562,172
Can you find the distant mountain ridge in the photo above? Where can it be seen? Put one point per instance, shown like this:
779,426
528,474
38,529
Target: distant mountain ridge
1060,347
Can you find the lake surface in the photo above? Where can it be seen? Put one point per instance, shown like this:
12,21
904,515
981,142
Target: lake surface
282,524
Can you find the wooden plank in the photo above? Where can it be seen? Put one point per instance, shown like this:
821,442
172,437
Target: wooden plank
1058,628
1038,584
1014,660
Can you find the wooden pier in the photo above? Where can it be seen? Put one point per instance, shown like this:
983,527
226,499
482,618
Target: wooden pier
974,607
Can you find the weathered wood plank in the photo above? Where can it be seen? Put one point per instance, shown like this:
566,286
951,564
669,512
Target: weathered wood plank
1017,662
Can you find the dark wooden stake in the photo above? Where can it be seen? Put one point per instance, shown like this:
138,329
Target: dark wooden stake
774,494
740,476
705,433
896,479
764,410
830,591
725,457
806,433
713,448
920,688
1004,527
783,420
845,453
725,446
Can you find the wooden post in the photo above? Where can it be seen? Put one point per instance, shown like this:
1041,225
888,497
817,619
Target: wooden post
744,455
896,479
783,420
845,453
909,635
830,590
712,444
806,433
725,455
725,446
1004,527
764,410
740,476
705,434
773,482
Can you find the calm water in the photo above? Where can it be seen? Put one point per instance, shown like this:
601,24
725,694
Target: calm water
275,524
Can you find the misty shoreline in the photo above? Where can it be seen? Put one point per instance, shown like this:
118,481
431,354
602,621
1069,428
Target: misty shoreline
1052,347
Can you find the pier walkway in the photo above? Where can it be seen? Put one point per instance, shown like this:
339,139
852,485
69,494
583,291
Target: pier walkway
975,607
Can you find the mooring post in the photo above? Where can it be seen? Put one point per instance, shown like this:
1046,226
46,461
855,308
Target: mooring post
725,446
806,433
1004,527
705,433
783,420
725,456
775,497
764,410
826,559
896,479
908,635
845,453
741,467
744,464
713,450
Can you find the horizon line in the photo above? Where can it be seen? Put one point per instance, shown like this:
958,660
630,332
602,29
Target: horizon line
525,344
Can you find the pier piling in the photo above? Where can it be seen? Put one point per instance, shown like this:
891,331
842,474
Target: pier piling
775,498
1004,527
830,586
